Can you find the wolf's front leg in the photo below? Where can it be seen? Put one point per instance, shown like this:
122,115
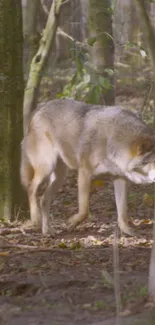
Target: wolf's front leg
120,187
84,182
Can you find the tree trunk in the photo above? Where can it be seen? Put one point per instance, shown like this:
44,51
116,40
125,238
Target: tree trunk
150,41
100,27
39,61
11,88
148,31
31,34
84,18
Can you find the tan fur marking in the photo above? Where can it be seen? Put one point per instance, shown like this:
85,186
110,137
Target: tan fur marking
141,146
27,175
48,136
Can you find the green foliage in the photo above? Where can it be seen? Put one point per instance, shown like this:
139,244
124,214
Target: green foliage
91,40
113,7
99,305
130,45
86,84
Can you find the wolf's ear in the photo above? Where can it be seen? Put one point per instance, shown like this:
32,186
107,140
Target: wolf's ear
142,146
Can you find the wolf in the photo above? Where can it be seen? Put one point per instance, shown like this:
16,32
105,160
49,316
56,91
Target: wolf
94,140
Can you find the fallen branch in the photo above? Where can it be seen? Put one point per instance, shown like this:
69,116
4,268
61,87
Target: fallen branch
8,246
45,8
64,3
9,231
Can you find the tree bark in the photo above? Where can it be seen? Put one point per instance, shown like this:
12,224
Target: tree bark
39,61
84,18
12,90
150,41
31,35
100,27
148,31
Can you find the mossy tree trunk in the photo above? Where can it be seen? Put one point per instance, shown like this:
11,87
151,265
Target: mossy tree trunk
39,61
102,54
11,103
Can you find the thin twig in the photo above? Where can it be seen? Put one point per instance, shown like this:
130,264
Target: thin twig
64,3
8,246
42,281
17,230
46,11
7,231
84,45
117,277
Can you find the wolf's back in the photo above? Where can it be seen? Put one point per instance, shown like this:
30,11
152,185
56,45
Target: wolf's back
75,129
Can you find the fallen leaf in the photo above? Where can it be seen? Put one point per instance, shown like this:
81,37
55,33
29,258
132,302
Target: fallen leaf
147,221
97,183
148,200
125,313
4,254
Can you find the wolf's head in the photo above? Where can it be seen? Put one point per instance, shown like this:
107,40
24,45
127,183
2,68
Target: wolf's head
143,159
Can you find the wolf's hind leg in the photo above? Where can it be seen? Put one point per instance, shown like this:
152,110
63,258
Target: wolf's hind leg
84,182
55,181
30,179
120,188
35,212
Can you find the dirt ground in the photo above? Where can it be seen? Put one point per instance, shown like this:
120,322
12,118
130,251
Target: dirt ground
69,279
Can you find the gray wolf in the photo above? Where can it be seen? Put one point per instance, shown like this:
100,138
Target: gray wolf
92,139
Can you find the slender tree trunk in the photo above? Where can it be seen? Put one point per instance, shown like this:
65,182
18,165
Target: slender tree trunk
148,31
39,61
84,18
100,26
149,34
11,89
31,34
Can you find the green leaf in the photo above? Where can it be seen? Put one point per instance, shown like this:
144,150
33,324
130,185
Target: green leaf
62,245
79,66
76,245
74,79
105,83
129,45
110,72
91,40
113,6
93,96
109,36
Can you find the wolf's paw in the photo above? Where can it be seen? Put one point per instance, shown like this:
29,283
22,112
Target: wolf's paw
48,231
32,224
36,222
127,229
75,220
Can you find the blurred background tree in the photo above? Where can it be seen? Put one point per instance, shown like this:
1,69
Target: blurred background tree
11,104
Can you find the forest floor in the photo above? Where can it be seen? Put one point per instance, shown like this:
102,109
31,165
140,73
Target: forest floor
68,279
